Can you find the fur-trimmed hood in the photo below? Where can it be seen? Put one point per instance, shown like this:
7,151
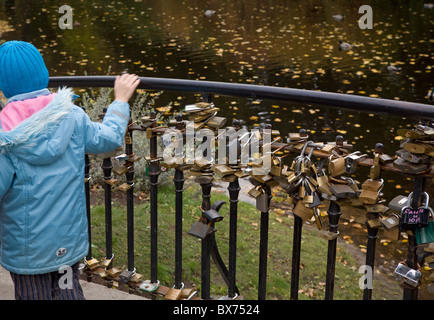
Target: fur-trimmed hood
36,139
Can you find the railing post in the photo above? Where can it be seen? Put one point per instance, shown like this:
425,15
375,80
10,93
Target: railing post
370,251
179,185
263,250
154,171
411,293
206,245
334,213
130,198
234,190
107,169
296,248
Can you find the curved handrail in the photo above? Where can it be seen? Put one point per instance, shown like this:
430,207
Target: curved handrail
335,100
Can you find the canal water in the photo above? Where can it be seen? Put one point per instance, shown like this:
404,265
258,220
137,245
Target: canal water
281,43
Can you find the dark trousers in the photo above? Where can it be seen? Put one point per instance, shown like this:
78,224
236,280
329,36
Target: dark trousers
48,286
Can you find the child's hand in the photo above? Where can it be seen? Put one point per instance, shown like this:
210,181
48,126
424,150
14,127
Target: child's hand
125,86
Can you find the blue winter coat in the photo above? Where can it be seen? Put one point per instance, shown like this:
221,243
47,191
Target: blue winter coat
43,223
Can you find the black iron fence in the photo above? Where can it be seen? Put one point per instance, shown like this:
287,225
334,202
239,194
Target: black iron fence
317,173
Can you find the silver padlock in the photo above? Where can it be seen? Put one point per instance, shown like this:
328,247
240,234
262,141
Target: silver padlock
407,274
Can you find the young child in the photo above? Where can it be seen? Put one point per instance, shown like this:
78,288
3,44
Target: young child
43,140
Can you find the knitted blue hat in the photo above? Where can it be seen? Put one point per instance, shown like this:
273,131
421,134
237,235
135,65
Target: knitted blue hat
22,69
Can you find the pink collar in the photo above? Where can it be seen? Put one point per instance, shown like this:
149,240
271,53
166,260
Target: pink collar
17,111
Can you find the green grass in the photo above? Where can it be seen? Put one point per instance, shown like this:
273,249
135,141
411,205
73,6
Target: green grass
313,253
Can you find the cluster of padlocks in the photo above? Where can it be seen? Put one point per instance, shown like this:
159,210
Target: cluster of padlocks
319,173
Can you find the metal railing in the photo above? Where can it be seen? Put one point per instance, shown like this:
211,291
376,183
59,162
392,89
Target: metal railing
421,112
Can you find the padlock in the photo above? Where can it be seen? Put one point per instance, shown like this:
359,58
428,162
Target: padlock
376,207
149,286
212,215
223,170
336,166
412,157
373,184
415,218
105,262
397,203
393,234
92,263
390,222
124,187
317,216
373,223
407,274
114,272
408,167
137,277
418,148
200,230
328,235
262,202
342,191
368,197
255,192
229,298
425,235
351,164
126,275
411,134
216,122
375,170
316,200
173,294
120,170
303,212
187,293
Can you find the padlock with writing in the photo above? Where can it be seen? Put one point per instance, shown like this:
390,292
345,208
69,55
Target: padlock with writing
415,218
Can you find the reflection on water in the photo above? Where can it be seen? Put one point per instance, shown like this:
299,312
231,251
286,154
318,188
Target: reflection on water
268,42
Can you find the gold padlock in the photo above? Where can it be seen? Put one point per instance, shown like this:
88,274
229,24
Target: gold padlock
418,147
374,223
173,294
392,234
303,212
368,197
114,272
124,187
92,263
336,166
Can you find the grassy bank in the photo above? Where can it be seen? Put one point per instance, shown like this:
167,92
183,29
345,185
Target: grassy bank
313,253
